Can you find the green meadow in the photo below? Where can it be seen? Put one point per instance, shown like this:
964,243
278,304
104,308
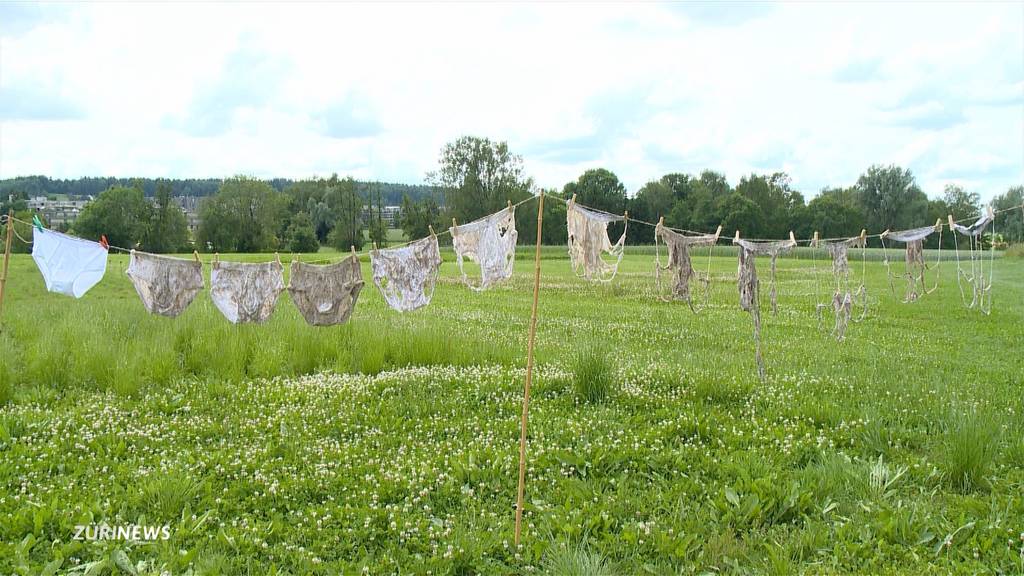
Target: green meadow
389,445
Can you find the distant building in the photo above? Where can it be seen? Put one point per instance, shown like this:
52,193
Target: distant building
391,215
190,206
59,213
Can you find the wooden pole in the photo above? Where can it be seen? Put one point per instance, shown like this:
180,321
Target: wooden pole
7,256
529,374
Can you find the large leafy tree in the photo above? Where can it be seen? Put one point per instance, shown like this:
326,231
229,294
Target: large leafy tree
478,176
891,198
246,215
777,201
418,217
833,213
167,230
120,213
740,213
598,188
1010,223
301,236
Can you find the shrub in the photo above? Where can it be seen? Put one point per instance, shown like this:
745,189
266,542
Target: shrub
592,375
566,560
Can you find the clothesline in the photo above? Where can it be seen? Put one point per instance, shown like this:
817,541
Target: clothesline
809,241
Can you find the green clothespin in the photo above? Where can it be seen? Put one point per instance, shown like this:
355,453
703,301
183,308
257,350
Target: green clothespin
37,223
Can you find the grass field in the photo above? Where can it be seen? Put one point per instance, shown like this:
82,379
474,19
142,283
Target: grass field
390,444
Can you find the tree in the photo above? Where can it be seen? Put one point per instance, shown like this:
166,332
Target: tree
740,213
301,236
1010,224
891,199
378,229
167,230
834,213
478,177
961,203
598,188
244,216
346,207
121,214
418,217
653,201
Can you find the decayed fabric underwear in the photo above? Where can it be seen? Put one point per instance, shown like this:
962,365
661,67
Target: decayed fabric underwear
406,276
165,285
491,243
326,295
246,292
679,259
69,265
588,239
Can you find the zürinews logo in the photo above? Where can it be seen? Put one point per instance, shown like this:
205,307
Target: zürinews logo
126,532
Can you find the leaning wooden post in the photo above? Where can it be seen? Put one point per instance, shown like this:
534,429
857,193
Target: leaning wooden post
7,256
529,374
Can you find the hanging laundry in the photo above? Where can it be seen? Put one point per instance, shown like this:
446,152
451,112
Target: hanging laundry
69,265
772,249
679,262
406,276
491,243
915,263
326,295
748,288
843,298
588,239
973,280
245,292
166,285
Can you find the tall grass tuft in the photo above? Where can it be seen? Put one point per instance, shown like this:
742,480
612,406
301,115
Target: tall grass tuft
592,375
563,560
968,450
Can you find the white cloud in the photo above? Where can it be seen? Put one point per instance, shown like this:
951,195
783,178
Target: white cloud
375,90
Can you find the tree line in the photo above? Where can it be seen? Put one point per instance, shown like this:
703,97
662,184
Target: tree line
478,176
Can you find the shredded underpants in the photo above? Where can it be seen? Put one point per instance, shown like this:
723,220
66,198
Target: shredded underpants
491,243
326,295
246,292
165,285
406,276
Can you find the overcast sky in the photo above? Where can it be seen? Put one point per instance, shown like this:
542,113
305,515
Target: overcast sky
820,91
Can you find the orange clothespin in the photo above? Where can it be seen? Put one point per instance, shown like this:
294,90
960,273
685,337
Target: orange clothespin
104,243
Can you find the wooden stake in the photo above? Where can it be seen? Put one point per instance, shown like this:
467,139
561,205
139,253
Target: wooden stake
529,374
7,256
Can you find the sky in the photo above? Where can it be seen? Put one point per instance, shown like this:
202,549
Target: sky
820,91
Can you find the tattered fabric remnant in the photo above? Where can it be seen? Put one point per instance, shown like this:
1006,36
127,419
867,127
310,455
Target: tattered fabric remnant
679,260
748,287
165,285
326,295
491,243
588,239
772,249
246,292
406,276
978,227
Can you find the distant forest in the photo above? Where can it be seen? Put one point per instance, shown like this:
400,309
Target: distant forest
391,194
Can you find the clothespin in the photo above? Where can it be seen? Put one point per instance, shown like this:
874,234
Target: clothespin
991,213
791,237
216,257
884,234
195,254
277,258
103,242
454,224
37,223
625,216
863,234
737,238
661,221
374,245
509,208
431,228
950,216
354,255
719,232
938,224
814,243
573,201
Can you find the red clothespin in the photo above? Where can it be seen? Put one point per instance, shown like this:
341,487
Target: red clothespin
103,242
